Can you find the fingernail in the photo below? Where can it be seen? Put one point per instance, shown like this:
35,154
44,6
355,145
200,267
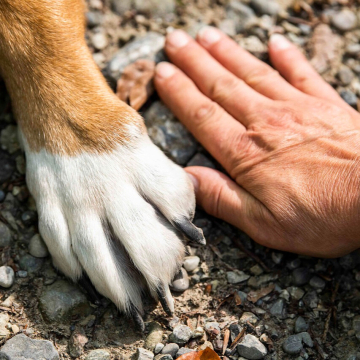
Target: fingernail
208,35
164,70
177,39
195,181
279,41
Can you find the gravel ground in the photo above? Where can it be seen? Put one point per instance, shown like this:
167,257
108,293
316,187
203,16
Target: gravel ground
260,303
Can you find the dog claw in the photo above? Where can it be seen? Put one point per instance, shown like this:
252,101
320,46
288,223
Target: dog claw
137,319
191,231
86,284
166,300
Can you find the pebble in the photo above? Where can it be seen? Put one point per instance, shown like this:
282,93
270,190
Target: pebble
248,317
99,41
349,97
98,354
61,300
311,299
145,47
181,281
22,347
180,335
30,263
5,235
296,292
28,217
235,330
277,257
345,75
212,328
169,134
317,282
301,276
175,321
154,336
77,342
251,348
277,309
9,139
143,354
93,18
344,20
183,351
293,264
349,261
228,26
158,348
306,338
256,270
236,277
198,332
242,15
154,8
7,166
163,357
37,247
191,263
268,7
7,276
300,325
293,344
243,296
201,160
170,349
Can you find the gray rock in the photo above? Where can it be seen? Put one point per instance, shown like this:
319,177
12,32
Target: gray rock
146,47
143,354
248,317
61,300
93,18
7,276
251,348
293,264
243,16
265,7
158,348
293,344
7,166
296,292
311,299
163,357
191,263
277,257
228,26
155,8
98,354
349,97
301,276
181,281
22,347
317,282
169,134
170,349
5,235
212,328
235,330
306,338
300,325
174,322
243,296
345,75
277,309
154,336
30,263
344,20
236,277
180,335
22,274
201,160
37,247
183,351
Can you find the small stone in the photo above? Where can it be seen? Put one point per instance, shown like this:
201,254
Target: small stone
198,332
212,328
353,49
268,7
181,281
22,347
251,348
93,18
28,217
8,302
5,235
317,282
277,257
345,75
311,299
242,15
9,139
206,344
99,41
296,292
293,344
61,300
301,276
158,348
248,317
277,309
7,276
236,277
77,342
163,357
256,270
170,349
15,329
235,330
37,247
306,338
284,294
191,263
183,351
349,97
143,354
98,354
30,263
344,20
293,264
154,336
218,345
300,325
175,321
228,26
180,335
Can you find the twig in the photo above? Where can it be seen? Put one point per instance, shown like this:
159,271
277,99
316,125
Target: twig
226,340
237,339
331,310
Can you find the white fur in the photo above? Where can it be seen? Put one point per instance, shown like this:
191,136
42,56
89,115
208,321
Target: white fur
77,195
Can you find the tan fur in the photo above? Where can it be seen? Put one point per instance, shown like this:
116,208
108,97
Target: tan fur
60,99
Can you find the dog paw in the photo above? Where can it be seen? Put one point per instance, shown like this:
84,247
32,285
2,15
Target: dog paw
118,217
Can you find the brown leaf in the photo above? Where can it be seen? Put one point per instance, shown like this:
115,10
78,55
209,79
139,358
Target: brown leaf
237,299
254,296
136,83
207,354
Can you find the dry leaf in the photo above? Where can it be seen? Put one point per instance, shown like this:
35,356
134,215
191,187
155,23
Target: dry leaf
237,298
254,296
206,354
136,83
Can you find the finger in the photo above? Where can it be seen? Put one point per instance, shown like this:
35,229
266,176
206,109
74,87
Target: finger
213,80
296,69
258,75
219,196
209,123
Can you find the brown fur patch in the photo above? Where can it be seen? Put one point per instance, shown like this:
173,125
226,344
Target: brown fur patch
59,97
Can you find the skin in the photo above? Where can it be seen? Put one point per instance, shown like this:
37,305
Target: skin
289,144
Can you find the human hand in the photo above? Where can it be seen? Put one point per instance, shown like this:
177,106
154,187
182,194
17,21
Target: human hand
291,147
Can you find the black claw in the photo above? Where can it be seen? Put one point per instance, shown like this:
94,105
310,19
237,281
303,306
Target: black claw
191,231
161,293
87,285
137,318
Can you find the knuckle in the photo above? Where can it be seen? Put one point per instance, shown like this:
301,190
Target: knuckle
204,112
259,75
223,87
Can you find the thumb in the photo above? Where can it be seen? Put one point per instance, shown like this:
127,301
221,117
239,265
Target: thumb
221,197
